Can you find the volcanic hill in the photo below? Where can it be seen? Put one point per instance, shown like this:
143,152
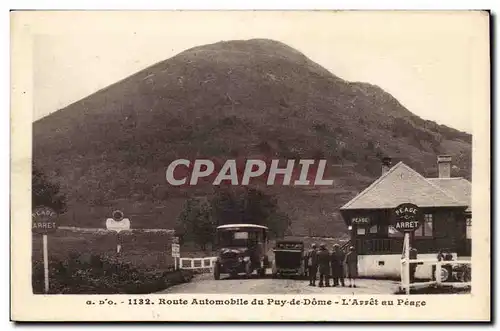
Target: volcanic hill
233,99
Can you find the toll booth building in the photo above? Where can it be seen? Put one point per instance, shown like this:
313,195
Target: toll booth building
446,218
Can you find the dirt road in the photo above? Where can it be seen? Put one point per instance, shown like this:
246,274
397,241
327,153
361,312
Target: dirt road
206,284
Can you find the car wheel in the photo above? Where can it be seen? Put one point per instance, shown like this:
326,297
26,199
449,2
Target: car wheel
216,272
445,275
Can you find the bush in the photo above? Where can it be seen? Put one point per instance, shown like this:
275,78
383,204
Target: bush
100,274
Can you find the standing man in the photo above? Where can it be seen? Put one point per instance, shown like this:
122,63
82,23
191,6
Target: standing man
351,261
324,266
337,265
312,263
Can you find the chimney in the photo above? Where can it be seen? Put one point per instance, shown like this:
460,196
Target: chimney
444,166
386,164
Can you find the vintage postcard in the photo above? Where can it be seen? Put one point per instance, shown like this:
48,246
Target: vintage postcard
250,166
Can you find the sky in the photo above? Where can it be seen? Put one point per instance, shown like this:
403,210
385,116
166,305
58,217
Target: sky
435,64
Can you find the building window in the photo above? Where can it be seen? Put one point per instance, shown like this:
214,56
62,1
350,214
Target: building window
425,230
468,229
393,233
373,229
361,230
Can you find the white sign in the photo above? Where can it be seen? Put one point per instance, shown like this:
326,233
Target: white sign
176,250
122,225
241,235
361,220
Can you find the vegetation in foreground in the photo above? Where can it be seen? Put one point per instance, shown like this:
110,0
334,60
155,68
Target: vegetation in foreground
86,262
101,274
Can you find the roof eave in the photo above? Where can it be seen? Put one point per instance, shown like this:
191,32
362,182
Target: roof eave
392,207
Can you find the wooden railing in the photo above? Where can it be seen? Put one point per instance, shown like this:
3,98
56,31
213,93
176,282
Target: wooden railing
395,245
379,246
345,246
205,264
463,278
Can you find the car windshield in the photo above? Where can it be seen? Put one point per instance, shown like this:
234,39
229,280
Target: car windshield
289,245
239,237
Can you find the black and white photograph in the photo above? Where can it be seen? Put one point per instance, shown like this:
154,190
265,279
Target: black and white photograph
250,153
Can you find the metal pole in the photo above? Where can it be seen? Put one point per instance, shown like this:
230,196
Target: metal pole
118,242
407,259
402,270
46,263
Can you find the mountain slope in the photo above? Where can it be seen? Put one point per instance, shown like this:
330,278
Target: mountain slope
254,98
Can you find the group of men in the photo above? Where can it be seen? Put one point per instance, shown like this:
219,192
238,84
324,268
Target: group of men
336,264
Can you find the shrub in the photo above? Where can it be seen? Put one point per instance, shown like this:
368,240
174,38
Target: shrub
102,274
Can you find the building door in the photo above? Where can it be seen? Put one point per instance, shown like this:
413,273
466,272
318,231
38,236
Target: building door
467,239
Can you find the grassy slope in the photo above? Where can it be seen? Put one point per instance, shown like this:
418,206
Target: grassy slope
256,98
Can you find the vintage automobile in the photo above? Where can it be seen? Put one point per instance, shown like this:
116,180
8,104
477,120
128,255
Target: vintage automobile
289,259
452,272
242,248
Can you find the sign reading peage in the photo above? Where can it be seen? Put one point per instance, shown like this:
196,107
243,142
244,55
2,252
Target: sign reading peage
44,220
406,217
360,220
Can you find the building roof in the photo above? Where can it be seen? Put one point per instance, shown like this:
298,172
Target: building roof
402,184
458,187
228,226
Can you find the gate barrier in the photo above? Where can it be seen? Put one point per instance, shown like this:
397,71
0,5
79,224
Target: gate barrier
204,264
439,272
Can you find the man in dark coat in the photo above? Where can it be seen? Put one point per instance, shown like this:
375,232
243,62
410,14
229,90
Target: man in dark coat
337,265
351,262
312,264
324,266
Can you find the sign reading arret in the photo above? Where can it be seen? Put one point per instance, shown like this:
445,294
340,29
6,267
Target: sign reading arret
44,220
406,217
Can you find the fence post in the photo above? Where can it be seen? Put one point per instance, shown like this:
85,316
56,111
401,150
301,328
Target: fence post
402,273
407,275
438,273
